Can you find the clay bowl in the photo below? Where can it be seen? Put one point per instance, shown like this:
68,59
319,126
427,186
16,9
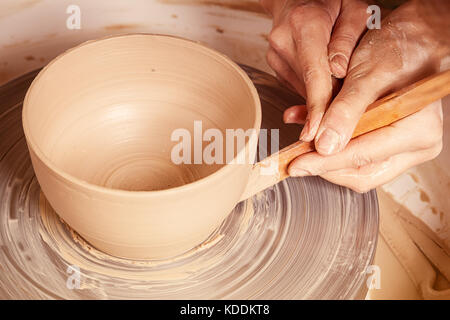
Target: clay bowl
98,122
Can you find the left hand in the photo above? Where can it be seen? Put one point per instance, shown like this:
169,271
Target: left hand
311,41
403,51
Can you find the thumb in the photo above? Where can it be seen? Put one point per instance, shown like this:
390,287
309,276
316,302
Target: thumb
344,113
349,27
371,73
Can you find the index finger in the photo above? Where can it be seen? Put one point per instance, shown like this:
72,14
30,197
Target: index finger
311,30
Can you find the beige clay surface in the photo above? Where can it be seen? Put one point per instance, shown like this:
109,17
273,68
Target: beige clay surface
98,122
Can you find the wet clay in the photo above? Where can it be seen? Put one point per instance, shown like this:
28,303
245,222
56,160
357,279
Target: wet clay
285,243
98,122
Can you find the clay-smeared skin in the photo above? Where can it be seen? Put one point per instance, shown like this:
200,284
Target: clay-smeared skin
98,122
310,42
405,49
273,247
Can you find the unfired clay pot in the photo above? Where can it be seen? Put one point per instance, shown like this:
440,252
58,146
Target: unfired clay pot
98,121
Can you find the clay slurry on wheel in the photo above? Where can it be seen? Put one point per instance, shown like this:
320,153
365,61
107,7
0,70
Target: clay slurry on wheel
304,238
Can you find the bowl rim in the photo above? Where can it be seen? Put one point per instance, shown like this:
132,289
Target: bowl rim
216,175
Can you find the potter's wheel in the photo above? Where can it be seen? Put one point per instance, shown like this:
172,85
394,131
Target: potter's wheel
304,238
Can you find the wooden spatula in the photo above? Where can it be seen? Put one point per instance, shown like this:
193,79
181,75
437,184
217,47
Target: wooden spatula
381,113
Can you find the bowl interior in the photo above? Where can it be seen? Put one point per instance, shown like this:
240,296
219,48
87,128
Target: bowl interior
105,111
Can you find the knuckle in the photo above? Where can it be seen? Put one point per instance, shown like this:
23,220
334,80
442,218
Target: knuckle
343,109
354,98
279,40
311,74
436,150
342,41
316,107
275,35
359,75
310,11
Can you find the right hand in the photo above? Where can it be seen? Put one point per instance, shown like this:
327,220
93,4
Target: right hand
312,41
406,48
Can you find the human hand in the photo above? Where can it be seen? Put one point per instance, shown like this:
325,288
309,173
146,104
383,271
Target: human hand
310,42
403,51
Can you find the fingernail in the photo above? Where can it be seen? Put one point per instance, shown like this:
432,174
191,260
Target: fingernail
328,142
315,122
290,118
295,172
305,134
310,129
338,65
